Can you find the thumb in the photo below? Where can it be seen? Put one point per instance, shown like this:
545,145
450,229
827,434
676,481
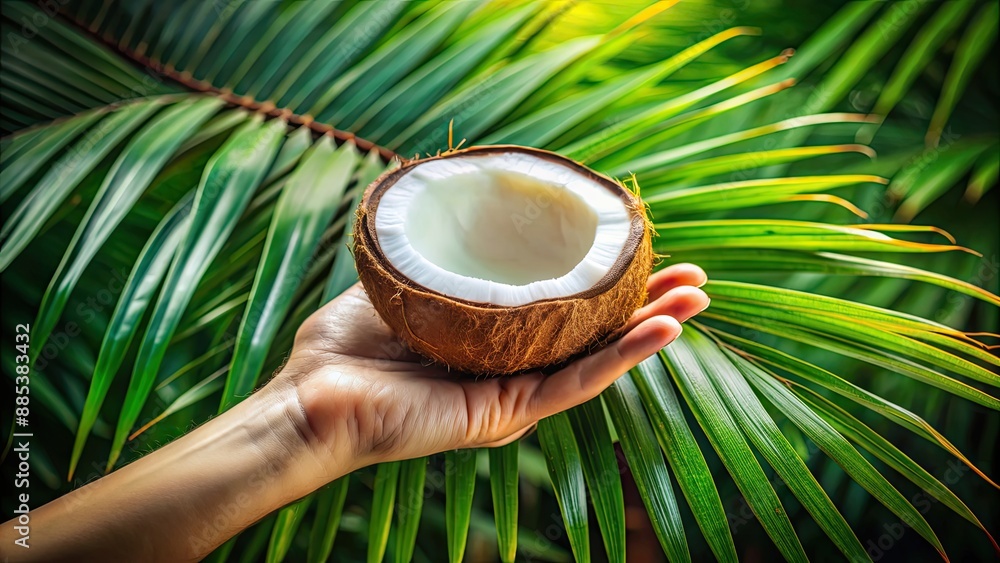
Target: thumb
586,378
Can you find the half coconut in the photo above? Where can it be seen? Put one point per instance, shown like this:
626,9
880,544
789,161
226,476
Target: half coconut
500,259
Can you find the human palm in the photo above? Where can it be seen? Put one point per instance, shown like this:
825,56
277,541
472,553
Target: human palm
356,378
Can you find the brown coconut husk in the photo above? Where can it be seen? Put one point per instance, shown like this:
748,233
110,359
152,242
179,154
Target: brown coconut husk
486,339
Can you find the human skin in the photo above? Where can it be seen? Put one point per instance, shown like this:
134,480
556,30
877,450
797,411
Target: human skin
350,395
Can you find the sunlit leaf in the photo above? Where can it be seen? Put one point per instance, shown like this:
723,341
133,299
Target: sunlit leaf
226,187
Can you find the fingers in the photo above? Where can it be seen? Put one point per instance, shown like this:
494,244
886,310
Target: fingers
673,300
681,303
673,292
673,276
586,378
512,438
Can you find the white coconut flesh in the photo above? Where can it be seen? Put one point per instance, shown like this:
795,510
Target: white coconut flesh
506,229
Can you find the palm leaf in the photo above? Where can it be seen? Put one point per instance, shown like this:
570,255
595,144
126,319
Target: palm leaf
639,445
306,205
503,484
383,504
224,192
329,509
460,484
685,456
562,456
600,469
412,474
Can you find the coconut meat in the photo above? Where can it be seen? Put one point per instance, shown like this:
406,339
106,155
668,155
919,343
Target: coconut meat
506,229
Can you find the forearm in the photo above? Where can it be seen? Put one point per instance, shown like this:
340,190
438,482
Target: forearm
181,501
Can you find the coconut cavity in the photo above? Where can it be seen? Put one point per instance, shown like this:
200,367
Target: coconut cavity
505,229
500,226
495,260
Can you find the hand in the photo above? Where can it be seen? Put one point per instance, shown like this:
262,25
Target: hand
350,395
366,398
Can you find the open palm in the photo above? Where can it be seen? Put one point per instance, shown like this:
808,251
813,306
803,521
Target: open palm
352,373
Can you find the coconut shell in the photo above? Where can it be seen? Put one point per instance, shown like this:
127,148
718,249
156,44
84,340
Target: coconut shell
486,339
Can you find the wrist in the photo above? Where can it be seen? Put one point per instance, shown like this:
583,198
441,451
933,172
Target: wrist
278,427
183,500
336,414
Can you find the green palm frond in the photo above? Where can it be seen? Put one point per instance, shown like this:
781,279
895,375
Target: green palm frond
921,38
211,155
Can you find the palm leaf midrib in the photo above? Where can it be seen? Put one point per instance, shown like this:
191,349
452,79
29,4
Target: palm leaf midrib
187,81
